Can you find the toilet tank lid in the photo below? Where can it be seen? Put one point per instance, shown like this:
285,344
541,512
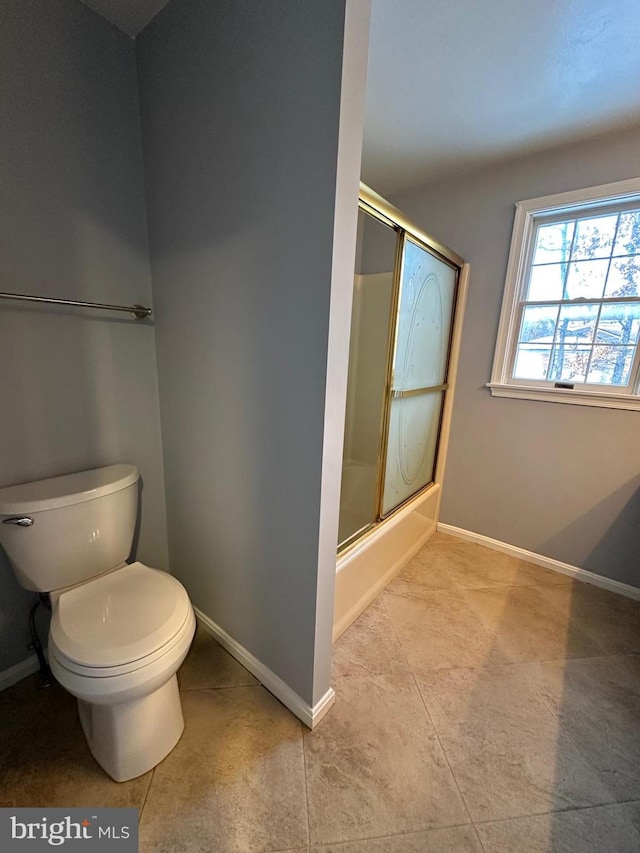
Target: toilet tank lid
69,489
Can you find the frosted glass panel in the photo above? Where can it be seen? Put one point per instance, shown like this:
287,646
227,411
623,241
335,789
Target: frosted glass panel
427,293
413,439
424,320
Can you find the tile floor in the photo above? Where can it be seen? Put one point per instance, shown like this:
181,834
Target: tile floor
484,705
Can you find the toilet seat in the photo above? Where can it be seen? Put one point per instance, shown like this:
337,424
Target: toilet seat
184,635
119,622
117,685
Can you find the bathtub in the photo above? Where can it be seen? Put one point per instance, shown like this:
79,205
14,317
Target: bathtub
367,566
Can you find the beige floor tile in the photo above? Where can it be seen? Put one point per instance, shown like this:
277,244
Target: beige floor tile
450,563
598,704
612,620
194,840
369,646
457,839
50,765
235,782
508,752
631,811
209,665
189,844
18,706
596,830
374,765
530,629
439,630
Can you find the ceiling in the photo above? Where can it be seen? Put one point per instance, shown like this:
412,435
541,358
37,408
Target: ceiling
453,84
130,16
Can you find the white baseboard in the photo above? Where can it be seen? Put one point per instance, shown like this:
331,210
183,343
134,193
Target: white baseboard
540,560
16,673
309,715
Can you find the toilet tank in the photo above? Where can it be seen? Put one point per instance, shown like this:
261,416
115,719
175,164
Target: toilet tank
65,530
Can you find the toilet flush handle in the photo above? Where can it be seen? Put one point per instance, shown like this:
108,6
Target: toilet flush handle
20,520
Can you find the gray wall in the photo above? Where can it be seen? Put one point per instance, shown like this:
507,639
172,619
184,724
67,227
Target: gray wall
557,479
240,110
79,389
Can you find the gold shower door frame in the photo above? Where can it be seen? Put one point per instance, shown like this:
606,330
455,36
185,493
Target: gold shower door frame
375,205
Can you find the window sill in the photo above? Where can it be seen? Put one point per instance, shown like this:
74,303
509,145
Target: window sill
576,397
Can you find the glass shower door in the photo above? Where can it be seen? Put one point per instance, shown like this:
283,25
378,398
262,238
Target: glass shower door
371,321
418,381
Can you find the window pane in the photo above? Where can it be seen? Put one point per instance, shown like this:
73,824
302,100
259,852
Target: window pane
624,277
611,365
628,238
546,282
569,363
538,324
574,285
619,324
532,361
553,243
594,237
577,323
586,279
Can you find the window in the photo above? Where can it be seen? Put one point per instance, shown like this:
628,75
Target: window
570,322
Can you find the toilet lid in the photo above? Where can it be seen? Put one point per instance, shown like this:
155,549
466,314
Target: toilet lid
120,617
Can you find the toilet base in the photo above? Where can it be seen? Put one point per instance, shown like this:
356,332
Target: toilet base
130,738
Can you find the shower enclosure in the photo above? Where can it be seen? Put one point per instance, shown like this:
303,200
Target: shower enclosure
408,298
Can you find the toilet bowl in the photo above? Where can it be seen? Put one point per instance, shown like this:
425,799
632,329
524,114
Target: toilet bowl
119,658
118,632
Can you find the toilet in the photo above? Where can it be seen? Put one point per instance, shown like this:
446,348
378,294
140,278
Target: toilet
119,631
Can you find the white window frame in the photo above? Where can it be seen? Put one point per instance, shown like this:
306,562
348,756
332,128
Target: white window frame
528,213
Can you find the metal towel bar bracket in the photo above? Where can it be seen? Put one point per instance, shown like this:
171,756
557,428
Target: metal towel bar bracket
138,312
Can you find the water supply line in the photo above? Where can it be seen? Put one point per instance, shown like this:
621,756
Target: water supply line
46,676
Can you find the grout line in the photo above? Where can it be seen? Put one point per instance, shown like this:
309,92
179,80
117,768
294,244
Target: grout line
306,786
477,834
402,650
549,563
492,667
146,797
220,687
603,656
435,731
559,811
305,849
461,590
395,634
413,831
495,587
335,845
563,731
446,757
